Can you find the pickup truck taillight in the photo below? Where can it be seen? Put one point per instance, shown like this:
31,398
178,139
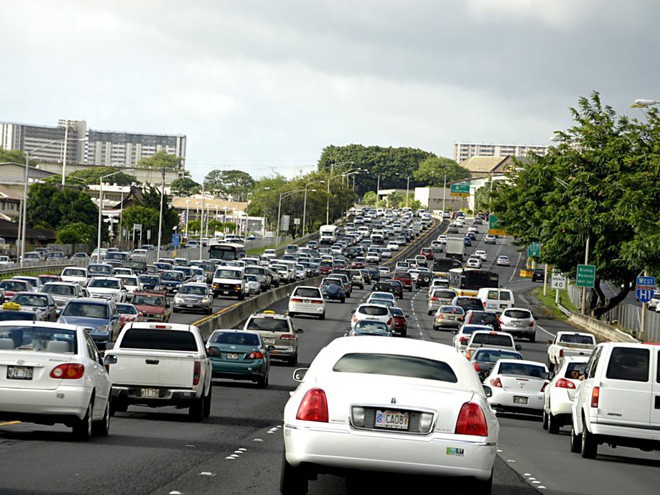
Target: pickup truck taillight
197,372
595,395
296,300
561,353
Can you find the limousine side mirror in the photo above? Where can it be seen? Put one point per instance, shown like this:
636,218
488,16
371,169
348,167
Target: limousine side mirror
299,374
518,347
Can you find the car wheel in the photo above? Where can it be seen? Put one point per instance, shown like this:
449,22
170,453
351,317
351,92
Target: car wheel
576,442
262,381
532,338
293,480
430,313
102,428
174,310
553,424
241,297
207,401
82,428
196,410
545,420
342,300
291,314
322,316
293,360
589,444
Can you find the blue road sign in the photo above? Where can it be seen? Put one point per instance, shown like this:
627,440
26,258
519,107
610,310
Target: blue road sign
176,238
645,288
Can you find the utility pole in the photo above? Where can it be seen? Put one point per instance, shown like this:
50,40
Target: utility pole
444,194
583,307
160,219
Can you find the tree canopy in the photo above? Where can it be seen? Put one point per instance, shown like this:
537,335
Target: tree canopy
92,176
14,156
161,159
433,170
185,187
235,183
599,183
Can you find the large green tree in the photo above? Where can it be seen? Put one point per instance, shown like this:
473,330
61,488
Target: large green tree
145,216
433,170
598,185
151,199
185,187
76,233
162,159
13,156
92,176
393,165
229,182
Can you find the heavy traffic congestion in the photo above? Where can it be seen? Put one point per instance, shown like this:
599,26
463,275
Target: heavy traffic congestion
393,349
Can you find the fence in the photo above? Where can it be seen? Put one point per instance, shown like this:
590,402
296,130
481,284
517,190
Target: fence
627,316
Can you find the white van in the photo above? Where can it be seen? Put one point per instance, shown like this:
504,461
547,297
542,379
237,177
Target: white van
617,402
229,281
495,299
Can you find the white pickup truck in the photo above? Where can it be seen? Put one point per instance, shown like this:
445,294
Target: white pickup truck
160,364
569,344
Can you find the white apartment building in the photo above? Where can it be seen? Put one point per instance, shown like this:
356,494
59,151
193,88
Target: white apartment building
463,151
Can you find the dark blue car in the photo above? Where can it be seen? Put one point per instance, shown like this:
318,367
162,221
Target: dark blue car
98,316
467,241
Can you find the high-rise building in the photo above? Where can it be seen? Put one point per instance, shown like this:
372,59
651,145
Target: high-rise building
87,146
463,151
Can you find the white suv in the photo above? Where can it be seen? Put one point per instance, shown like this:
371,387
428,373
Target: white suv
307,301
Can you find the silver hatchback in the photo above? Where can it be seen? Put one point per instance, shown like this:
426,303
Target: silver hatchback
519,322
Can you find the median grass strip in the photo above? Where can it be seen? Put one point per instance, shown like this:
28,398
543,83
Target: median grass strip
548,302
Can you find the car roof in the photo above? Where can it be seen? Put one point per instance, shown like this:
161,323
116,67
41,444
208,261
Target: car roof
266,314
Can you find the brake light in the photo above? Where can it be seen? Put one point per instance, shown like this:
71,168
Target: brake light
314,406
287,336
531,324
484,303
389,322
561,353
564,383
197,372
471,421
354,318
434,299
477,367
545,384
496,382
256,355
440,316
70,371
317,302
296,300
595,395
463,340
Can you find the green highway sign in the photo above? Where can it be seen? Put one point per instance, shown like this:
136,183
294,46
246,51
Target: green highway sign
586,276
534,250
460,189
494,227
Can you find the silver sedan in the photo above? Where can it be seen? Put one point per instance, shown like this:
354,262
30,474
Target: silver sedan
193,296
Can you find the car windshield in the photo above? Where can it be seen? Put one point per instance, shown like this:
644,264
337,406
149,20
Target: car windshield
172,276
59,289
39,339
193,289
14,285
235,338
145,300
149,279
74,272
494,355
395,365
87,310
373,310
521,369
99,270
31,300
269,324
230,274
104,283
126,309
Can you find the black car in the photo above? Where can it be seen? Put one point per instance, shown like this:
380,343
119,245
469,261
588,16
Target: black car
389,286
476,317
424,279
468,303
538,275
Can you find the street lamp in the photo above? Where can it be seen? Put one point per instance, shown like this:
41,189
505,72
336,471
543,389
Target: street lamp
25,195
100,226
305,209
327,202
644,103
279,211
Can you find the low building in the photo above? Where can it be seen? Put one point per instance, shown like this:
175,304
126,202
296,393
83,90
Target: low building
439,198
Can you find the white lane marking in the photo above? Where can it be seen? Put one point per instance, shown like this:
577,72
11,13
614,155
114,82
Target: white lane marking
515,267
257,440
544,330
175,493
206,473
243,449
510,460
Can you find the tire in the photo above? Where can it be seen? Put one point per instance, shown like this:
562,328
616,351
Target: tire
262,381
322,317
292,361
553,424
117,405
209,311
482,487
241,297
589,444
293,481
575,442
82,428
545,420
102,428
532,338
291,314
207,401
342,300
429,313
196,410
174,310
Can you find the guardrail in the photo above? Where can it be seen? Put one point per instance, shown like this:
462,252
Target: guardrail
40,268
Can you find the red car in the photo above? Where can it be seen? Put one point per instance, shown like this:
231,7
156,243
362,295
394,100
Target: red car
325,267
358,263
405,279
400,322
427,252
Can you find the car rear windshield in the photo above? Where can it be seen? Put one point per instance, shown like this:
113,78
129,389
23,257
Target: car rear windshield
492,339
268,324
159,339
31,300
373,311
521,369
576,339
517,313
395,365
307,292
235,338
492,356
74,272
629,364
444,294
148,300
40,339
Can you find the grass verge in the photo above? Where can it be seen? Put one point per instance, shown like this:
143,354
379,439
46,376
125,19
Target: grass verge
548,302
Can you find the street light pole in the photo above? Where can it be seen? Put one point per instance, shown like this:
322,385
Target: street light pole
444,194
187,217
304,211
407,191
100,224
160,219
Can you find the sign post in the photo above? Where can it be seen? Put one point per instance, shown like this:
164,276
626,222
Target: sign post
557,282
644,290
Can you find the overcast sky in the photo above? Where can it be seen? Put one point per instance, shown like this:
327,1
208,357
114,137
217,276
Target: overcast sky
263,86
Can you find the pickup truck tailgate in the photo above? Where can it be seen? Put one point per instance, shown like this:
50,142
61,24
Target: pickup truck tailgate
154,369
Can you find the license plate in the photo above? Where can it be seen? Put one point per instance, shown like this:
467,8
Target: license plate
391,420
149,392
19,373
269,341
189,305
225,292
306,301
519,400
231,355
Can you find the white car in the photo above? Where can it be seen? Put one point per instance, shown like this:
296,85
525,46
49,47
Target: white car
373,312
480,253
5,262
490,239
393,246
307,300
52,373
503,261
442,238
107,288
372,257
473,263
559,394
360,394
517,386
74,274
269,254
382,295
131,284
462,337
